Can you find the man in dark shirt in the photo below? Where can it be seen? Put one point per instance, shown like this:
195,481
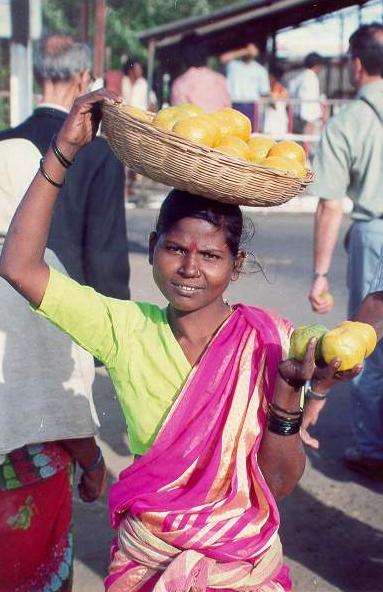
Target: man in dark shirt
90,240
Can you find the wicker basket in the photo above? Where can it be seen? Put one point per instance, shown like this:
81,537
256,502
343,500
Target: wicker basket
174,161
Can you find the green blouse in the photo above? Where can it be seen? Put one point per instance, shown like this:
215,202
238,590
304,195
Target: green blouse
134,340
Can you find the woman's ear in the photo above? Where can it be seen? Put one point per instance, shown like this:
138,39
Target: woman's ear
153,238
238,264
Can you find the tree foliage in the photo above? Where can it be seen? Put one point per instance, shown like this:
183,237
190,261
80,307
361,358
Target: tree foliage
126,18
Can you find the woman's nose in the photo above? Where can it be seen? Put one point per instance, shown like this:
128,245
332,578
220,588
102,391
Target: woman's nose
189,266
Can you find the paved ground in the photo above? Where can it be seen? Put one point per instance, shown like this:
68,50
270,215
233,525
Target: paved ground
332,525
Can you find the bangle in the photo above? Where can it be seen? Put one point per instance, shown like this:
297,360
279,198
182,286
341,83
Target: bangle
310,394
47,177
317,274
59,155
283,427
275,407
95,464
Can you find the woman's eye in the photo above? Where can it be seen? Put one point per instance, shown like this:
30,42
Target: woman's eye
210,256
174,249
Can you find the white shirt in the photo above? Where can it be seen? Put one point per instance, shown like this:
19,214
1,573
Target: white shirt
305,87
136,95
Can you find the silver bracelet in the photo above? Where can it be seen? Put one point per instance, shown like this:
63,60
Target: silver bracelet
310,394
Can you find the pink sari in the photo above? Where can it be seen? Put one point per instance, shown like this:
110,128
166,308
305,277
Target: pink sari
195,513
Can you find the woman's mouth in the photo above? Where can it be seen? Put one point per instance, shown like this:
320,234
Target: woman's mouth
185,289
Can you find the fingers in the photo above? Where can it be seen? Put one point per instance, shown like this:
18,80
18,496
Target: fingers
309,440
346,375
97,96
308,364
318,303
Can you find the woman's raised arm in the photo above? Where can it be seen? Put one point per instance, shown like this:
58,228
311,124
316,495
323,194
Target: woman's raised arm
22,259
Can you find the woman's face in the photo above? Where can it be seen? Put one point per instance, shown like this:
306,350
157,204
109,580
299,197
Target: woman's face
192,264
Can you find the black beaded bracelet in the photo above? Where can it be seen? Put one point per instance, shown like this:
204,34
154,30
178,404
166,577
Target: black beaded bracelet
59,155
95,464
47,177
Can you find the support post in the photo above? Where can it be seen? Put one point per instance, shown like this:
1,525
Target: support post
99,40
151,57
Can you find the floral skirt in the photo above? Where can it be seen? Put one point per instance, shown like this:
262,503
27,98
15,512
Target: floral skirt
36,546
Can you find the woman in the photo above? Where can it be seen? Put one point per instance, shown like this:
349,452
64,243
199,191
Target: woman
198,383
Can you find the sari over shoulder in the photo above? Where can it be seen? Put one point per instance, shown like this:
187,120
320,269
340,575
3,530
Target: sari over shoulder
195,512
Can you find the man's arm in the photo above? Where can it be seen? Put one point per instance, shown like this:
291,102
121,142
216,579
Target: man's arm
236,54
371,311
328,218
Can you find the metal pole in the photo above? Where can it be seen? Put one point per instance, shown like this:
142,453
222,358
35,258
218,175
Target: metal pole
99,39
151,56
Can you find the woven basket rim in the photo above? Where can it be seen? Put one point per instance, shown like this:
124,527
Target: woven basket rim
170,138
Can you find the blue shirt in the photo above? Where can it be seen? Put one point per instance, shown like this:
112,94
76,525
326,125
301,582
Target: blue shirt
247,81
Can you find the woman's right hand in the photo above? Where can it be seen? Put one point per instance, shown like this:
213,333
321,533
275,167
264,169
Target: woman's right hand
81,125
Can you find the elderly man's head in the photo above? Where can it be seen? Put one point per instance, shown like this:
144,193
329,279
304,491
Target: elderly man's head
61,59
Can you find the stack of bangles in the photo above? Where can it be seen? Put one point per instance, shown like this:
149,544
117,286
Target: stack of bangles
95,464
283,422
62,160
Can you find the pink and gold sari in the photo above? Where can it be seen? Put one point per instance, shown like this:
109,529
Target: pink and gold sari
195,513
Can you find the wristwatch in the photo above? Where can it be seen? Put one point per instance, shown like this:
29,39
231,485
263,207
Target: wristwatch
317,274
310,394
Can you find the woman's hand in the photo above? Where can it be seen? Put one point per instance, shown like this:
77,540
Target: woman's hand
92,484
81,125
296,373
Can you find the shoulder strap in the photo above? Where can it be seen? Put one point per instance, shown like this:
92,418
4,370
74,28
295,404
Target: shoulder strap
378,115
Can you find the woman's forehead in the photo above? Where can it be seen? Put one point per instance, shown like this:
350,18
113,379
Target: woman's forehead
195,229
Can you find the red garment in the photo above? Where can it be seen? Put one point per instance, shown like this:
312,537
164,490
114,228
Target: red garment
36,547
202,87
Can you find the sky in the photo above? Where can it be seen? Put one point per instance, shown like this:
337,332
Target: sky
324,37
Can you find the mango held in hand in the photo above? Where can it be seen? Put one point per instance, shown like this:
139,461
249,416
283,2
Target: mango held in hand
351,342
300,339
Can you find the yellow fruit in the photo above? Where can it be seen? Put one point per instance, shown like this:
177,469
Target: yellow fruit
259,147
166,118
198,129
139,114
288,149
232,123
350,342
284,164
300,338
329,298
190,109
234,146
365,331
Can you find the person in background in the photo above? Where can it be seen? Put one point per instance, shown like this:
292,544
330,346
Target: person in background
349,162
47,421
305,89
276,118
88,233
134,86
200,84
247,79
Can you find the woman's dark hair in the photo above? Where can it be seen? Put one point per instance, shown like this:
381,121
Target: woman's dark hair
367,45
129,63
181,204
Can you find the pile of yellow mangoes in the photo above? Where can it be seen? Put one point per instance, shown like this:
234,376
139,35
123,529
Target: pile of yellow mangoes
228,131
350,341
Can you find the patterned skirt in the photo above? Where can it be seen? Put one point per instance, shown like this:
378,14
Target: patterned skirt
36,546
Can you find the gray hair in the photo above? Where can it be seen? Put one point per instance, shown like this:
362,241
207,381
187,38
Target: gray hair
60,57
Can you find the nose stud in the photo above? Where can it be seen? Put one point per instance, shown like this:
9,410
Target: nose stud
198,274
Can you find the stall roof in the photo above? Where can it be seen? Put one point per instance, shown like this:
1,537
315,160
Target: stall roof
239,24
